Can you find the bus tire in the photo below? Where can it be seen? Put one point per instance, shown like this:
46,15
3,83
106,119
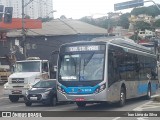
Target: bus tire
81,104
148,96
13,98
122,100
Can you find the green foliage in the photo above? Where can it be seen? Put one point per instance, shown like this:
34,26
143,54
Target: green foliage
47,19
123,21
27,17
151,11
141,25
135,37
156,23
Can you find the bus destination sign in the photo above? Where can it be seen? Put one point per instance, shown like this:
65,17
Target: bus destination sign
84,48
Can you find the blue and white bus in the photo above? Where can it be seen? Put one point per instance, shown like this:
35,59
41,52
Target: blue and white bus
105,70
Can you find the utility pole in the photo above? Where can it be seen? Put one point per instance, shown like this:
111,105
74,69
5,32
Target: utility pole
23,31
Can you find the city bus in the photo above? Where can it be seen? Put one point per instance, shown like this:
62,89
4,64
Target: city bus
105,69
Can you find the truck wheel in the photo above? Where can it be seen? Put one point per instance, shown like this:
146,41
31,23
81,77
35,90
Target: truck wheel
13,98
81,104
28,103
122,97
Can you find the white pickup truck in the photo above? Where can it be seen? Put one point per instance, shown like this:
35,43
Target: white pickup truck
26,73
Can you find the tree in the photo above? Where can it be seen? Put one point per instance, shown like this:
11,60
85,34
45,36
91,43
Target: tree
135,37
151,11
63,17
156,23
124,22
47,19
27,17
141,25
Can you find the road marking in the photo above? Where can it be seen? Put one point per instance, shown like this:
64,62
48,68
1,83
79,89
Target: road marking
147,105
143,118
3,97
116,118
14,106
139,108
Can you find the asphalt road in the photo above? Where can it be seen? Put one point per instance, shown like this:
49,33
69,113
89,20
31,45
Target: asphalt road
138,104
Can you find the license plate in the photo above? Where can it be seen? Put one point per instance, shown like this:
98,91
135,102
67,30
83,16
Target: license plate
33,98
16,92
79,99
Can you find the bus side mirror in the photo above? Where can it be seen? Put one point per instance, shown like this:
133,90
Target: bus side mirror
55,68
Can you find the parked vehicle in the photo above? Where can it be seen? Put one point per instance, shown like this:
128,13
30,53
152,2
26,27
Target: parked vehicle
26,73
43,91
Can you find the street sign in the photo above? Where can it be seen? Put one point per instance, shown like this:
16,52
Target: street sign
128,4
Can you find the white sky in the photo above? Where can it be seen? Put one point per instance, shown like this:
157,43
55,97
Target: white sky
79,8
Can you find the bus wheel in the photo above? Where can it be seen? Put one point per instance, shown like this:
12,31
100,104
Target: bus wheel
13,98
122,97
148,96
81,104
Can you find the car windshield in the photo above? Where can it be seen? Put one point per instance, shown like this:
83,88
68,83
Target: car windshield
33,66
81,67
44,84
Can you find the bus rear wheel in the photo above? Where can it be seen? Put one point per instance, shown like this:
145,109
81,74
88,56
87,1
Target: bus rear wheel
122,100
13,98
148,96
81,104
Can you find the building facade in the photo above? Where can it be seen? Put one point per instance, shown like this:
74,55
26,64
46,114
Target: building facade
35,8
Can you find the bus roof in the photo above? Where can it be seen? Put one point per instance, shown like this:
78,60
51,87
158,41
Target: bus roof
125,42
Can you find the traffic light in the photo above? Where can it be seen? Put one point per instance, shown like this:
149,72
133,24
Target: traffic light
8,14
1,12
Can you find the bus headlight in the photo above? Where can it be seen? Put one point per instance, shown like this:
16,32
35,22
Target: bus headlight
100,88
60,89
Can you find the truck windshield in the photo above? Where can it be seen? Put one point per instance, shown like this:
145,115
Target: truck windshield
81,67
33,66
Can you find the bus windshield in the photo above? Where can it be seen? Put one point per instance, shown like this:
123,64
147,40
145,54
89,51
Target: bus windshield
33,66
81,67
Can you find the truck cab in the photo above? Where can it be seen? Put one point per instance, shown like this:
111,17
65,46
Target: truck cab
26,73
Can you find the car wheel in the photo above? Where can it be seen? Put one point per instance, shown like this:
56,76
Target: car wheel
28,103
81,104
53,101
13,98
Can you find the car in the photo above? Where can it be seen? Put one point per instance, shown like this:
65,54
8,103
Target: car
43,91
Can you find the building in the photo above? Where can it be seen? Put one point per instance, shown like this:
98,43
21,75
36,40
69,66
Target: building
35,8
41,42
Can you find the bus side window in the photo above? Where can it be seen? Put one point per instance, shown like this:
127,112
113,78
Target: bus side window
113,64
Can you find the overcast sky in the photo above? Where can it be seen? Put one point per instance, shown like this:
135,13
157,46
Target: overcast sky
79,8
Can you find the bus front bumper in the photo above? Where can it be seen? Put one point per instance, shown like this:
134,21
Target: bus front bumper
99,97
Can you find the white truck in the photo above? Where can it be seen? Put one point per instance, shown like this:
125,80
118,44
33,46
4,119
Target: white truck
26,73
